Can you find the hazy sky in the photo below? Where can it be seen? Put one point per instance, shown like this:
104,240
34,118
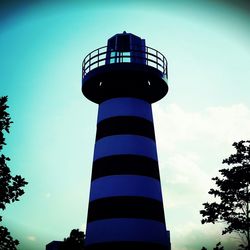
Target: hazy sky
51,144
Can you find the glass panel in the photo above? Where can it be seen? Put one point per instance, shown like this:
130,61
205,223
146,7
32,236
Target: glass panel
126,53
113,57
126,57
118,56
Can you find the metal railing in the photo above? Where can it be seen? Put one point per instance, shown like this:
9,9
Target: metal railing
103,56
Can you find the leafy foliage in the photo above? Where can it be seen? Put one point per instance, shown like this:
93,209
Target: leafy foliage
11,187
5,120
233,195
6,241
217,247
74,241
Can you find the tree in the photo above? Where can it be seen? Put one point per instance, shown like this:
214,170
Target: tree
217,247
232,193
11,187
74,241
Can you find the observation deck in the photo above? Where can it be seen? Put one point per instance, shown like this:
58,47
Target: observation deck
124,68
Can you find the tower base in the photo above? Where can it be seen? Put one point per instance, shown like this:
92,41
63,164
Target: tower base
128,246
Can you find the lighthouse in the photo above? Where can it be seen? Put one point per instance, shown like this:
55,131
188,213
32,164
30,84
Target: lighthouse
125,204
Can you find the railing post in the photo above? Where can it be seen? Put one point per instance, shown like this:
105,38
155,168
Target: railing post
89,61
156,59
98,58
152,57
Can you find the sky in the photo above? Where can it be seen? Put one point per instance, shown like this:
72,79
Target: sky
42,45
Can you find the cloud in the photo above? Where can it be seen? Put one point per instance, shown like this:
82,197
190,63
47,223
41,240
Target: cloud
193,236
191,147
48,195
31,238
175,125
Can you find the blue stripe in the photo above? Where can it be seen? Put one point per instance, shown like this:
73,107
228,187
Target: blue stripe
125,107
113,230
125,144
125,185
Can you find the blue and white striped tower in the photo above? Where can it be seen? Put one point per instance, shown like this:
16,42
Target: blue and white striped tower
125,207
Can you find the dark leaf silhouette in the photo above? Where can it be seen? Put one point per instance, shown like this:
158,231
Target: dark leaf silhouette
232,193
217,247
74,241
11,187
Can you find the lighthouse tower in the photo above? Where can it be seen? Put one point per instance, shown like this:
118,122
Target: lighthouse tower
125,206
